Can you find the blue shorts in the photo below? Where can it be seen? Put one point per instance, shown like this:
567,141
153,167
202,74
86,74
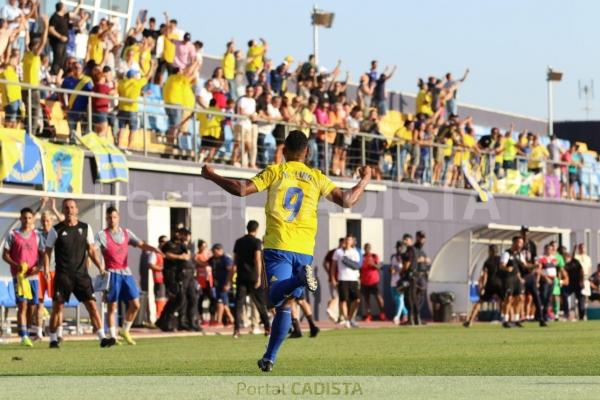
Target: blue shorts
174,115
34,283
11,111
99,117
222,295
281,264
128,118
122,288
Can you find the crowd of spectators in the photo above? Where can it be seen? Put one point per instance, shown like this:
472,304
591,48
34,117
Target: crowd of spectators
162,64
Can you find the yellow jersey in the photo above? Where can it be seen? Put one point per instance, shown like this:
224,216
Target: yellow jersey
255,55
169,47
10,93
176,88
32,63
228,66
469,144
96,48
210,125
131,89
294,191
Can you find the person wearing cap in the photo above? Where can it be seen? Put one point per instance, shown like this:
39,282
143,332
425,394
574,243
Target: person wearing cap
222,266
130,88
176,254
279,77
185,52
490,285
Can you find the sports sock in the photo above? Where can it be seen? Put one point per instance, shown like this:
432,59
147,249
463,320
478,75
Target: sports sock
127,326
311,322
101,334
59,331
39,332
556,308
23,331
53,337
281,289
112,330
279,330
296,325
517,319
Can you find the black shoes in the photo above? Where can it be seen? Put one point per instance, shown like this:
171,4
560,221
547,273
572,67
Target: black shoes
54,345
505,324
295,334
543,324
314,332
518,324
467,324
265,365
108,342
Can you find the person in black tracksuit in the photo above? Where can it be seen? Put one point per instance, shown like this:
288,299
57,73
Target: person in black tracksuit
176,254
417,268
490,284
511,263
532,292
576,284
188,309
248,263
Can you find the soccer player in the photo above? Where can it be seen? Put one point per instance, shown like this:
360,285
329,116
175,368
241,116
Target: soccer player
511,263
113,243
489,283
291,209
22,250
72,242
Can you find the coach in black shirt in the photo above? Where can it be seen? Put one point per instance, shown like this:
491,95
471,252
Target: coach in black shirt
248,262
73,242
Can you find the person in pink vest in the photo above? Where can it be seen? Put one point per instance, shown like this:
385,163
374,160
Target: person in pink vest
22,253
114,243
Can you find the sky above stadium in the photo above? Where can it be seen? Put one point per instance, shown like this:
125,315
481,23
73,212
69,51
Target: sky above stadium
507,44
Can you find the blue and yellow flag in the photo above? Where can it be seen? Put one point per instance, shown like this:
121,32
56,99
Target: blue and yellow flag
28,168
63,168
11,149
111,164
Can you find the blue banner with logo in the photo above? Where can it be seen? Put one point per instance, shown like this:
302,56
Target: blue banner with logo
28,167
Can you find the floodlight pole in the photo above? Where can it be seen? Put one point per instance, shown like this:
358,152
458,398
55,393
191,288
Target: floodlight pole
550,108
315,37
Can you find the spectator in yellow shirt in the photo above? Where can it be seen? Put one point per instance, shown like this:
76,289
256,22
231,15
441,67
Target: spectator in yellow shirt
130,88
178,91
95,47
424,99
228,65
211,132
255,59
11,94
538,156
32,65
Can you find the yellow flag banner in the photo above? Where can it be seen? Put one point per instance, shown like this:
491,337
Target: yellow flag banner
111,164
11,145
63,168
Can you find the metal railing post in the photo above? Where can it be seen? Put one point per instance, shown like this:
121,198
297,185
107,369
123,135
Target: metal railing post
398,162
326,155
89,118
363,151
29,113
195,138
144,127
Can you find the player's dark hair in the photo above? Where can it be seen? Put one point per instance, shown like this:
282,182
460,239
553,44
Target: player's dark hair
111,210
68,199
162,237
296,142
26,210
200,243
252,226
515,239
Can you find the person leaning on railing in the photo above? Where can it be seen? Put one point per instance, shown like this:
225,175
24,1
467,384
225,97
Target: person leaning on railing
11,93
32,64
130,88
77,103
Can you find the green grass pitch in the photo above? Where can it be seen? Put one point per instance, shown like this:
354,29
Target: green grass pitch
450,350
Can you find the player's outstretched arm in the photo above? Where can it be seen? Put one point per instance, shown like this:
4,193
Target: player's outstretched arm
236,187
348,198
